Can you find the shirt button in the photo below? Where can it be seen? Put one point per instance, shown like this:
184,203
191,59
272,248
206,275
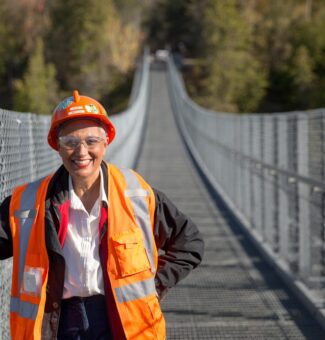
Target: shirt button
55,305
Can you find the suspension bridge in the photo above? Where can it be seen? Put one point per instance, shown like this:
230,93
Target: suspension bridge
254,184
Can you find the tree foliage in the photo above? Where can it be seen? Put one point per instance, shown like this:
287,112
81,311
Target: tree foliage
171,24
235,79
251,55
83,44
76,44
245,55
37,92
18,34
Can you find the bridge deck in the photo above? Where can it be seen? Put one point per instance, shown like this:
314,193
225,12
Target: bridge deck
234,294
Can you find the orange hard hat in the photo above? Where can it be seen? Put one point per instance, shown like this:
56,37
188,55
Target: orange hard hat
79,107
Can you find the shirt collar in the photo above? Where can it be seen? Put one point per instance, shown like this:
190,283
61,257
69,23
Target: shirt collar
75,202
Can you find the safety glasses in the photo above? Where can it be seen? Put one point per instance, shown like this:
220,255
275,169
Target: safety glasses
72,142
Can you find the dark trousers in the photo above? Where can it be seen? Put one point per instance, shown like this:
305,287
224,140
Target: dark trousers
84,319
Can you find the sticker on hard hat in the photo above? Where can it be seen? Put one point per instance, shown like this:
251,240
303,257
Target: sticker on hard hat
76,111
91,108
64,104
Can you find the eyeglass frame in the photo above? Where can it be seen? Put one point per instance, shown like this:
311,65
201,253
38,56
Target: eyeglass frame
80,141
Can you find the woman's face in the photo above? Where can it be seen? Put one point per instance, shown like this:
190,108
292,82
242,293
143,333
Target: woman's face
82,146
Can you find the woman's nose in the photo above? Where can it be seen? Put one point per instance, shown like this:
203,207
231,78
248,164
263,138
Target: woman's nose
82,148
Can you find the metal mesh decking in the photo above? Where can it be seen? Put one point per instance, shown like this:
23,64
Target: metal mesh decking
233,294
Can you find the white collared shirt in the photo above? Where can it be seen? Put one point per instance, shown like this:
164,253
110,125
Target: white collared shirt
83,272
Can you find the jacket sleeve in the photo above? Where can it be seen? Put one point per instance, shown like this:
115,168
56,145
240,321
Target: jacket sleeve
5,232
179,242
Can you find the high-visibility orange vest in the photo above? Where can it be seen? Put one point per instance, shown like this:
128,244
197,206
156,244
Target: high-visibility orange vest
131,265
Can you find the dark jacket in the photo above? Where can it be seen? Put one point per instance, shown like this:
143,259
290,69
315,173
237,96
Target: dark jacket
174,233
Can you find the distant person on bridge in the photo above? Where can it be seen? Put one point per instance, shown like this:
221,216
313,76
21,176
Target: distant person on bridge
85,240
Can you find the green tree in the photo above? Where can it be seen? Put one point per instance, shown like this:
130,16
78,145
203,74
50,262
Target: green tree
37,92
235,79
90,46
75,43
308,64
303,78
22,23
174,24
3,35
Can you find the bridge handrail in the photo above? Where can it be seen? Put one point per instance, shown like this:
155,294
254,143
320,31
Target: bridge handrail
26,156
130,125
270,171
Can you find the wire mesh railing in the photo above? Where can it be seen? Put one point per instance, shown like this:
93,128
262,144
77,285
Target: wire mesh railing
25,156
270,170
124,151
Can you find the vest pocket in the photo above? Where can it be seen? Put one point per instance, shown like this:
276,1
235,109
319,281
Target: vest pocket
130,252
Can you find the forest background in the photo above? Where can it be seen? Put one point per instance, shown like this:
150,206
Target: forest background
237,55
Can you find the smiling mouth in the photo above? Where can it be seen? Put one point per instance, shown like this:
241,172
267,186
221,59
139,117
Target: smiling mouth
82,163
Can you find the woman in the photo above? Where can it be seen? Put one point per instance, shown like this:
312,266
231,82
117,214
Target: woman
85,240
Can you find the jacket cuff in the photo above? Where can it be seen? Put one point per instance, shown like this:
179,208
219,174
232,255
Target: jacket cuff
160,289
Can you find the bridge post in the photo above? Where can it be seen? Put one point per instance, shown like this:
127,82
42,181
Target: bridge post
284,246
303,194
270,192
246,177
257,173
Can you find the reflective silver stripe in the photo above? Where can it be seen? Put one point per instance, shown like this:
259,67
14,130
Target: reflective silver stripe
25,213
24,309
27,210
136,192
141,212
135,290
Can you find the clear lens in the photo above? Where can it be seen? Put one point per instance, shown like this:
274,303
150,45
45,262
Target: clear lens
93,141
71,142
